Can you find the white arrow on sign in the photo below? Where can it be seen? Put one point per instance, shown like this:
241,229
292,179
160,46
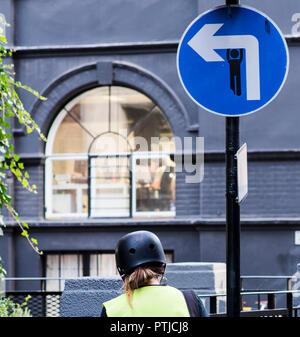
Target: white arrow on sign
205,42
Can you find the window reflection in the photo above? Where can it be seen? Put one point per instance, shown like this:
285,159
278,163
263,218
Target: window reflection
71,137
70,187
155,185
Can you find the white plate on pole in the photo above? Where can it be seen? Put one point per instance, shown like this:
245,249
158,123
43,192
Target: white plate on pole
242,173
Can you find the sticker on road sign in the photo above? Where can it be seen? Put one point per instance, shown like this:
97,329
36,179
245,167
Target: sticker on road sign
232,61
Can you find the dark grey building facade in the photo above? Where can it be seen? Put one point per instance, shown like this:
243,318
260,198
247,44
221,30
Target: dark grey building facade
72,51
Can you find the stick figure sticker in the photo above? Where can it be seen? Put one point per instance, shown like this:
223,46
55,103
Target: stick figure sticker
227,58
234,58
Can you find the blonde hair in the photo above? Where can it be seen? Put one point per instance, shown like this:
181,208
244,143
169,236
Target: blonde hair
141,276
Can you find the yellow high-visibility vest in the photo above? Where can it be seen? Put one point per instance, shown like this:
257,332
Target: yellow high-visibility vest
149,301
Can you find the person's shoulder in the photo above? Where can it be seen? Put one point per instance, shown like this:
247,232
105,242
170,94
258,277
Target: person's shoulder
114,300
173,289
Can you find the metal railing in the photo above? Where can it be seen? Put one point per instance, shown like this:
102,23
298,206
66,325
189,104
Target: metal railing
269,311
42,302
46,303
266,304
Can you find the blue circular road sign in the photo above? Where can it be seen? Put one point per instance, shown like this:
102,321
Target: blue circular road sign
232,60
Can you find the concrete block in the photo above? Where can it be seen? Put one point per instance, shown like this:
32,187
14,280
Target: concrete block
83,297
202,277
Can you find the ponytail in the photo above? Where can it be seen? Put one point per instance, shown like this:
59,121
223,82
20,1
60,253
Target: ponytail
141,276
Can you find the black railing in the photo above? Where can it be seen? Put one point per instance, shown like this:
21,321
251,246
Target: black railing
276,303
269,299
270,309
260,296
40,304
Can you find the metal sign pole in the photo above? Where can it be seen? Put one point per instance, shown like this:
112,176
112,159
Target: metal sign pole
232,219
232,214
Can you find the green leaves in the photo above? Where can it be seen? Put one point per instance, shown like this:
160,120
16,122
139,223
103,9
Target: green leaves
10,309
24,228
11,107
34,241
3,39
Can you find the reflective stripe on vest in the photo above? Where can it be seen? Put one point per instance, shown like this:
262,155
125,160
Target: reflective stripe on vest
149,301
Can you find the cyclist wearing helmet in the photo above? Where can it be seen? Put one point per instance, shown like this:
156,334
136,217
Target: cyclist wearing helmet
141,262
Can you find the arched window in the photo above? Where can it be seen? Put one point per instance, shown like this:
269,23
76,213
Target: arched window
108,155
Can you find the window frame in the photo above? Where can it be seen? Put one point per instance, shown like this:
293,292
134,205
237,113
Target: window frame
133,213
48,172
92,187
83,264
49,186
146,155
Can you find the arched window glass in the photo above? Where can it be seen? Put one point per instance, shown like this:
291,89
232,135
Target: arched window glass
108,155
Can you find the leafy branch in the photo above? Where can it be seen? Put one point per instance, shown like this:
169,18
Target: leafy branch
11,107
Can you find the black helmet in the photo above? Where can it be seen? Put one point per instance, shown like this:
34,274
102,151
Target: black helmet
137,248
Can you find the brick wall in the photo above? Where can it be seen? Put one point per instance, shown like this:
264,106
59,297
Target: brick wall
273,191
30,205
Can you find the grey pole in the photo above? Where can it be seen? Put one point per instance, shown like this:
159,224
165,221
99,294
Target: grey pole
232,214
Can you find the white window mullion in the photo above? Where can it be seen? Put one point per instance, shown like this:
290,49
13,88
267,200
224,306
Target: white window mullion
93,181
48,187
133,184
